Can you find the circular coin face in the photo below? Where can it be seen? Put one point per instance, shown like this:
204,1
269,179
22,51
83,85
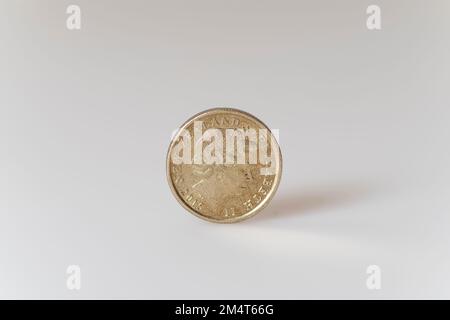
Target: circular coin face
224,165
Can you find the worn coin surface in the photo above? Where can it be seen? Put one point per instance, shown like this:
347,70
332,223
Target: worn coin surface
205,168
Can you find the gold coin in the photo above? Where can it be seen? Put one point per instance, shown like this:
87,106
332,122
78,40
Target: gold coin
224,165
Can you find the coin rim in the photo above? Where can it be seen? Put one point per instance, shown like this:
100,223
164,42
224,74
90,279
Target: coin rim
255,210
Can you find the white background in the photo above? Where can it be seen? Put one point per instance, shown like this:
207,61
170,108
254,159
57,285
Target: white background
86,118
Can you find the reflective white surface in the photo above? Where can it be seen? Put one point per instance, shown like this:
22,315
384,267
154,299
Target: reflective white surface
86,118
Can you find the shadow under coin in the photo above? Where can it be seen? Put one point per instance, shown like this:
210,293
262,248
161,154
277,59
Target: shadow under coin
308,201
